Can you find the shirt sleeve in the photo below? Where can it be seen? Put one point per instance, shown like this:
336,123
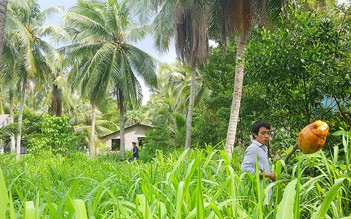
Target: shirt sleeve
249,162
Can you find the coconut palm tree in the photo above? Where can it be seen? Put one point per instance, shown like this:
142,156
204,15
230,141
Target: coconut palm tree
187,22
232,18
171,78
104,60
10,80
81,115
3,11
175,84
25,28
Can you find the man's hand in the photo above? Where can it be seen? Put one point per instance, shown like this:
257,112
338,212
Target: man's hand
271,176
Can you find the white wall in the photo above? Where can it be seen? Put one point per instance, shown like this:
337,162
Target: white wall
131,134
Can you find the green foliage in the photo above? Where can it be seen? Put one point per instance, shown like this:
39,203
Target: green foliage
156,139
197,183
219,78
50,133
304,76
168,134
8,130
342,152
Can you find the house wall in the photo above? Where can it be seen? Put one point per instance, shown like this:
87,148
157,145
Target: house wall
4,121
131,134
109,143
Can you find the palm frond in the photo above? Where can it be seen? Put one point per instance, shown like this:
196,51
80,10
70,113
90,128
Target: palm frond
85,26
9,130
47,13
143,64
164,26
57,34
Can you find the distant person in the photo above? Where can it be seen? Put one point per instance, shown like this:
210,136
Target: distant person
258,150
135,151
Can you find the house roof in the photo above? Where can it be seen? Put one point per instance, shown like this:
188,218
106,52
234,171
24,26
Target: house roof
128,127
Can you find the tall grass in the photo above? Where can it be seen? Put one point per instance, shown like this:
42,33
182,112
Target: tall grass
185,184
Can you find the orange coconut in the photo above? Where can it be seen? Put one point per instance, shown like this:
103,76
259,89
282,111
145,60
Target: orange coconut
312,137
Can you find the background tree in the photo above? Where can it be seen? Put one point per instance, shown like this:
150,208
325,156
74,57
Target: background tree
218,78
25,26
105,121
3,11
305,75
45,133
238,17
104,60
9,82
187,22
175,85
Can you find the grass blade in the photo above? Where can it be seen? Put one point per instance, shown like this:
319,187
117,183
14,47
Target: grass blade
143,206
200,209
3,196
79,208
297,197
180,191
286,206
29,210
322,211
216,210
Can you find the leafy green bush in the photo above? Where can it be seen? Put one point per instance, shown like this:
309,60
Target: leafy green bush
49,133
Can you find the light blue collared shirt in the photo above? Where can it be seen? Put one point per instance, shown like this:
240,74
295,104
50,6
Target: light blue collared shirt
260,151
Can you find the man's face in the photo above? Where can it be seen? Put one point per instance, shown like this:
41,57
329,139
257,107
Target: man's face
263,135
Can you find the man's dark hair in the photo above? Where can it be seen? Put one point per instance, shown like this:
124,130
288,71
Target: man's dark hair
258,124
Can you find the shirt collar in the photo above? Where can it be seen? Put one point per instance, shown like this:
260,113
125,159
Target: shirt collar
257,143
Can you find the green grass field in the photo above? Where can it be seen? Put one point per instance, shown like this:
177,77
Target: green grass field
184,184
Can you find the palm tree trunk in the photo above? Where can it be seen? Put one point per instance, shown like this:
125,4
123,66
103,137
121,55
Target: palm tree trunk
56,103
189,118
3,10
12,119
1,106
237,93
92,133
20,116
121,126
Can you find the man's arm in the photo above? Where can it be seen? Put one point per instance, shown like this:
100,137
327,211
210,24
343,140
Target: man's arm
249,162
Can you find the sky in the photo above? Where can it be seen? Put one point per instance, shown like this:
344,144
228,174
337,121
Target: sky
145,45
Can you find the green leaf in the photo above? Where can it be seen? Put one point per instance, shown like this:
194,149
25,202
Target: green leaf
29,210
179,200
143,206
200,209
333,191
79,207
3,196
297,197
216,210
286,206
12,208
